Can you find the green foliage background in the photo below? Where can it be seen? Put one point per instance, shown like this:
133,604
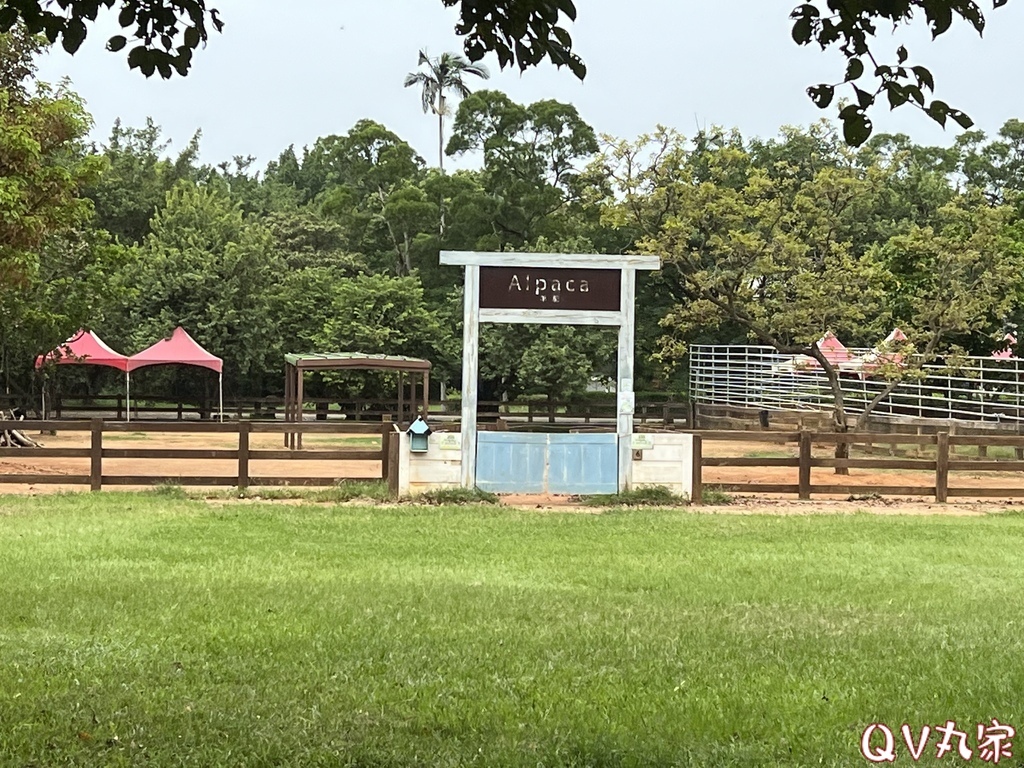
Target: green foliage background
334,247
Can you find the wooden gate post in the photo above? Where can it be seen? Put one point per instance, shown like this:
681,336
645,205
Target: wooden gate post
96,455
394,443
244,428
805,465
697,481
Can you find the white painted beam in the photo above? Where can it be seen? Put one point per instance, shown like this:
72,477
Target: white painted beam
581,260
550,316
470,373
624,388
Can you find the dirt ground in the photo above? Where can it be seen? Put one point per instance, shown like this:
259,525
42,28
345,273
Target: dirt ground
25,463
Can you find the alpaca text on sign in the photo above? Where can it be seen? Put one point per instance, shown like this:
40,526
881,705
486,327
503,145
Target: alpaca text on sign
550,288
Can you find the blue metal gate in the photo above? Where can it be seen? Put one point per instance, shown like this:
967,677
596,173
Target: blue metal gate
527,462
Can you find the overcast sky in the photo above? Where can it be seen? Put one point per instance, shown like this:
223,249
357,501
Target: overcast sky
287,73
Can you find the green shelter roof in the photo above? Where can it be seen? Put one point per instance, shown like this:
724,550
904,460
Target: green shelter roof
357,360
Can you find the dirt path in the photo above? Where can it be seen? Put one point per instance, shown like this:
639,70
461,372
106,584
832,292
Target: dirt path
25,463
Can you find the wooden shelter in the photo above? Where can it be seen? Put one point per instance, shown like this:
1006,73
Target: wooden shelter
295,366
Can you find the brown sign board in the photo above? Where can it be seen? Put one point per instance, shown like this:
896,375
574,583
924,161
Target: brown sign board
554,288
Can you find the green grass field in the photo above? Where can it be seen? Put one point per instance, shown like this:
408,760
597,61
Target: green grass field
144,629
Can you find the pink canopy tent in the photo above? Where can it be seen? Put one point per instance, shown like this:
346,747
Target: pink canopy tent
881,354
831,348
1006,353
180,349
85,348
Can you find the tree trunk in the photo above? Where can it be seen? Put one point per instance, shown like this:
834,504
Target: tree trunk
440,135
840,424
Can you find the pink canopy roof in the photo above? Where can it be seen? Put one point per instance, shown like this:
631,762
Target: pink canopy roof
84,348
833,349
179,349
1007,353
881,353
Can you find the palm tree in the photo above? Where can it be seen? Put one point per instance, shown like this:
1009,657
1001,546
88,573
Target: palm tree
443,74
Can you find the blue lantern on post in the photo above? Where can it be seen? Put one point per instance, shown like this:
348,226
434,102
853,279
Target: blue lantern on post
419,436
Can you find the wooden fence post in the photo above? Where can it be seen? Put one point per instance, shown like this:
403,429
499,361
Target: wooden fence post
697,478
805,465
942,467
96,455
244,428
394,443
386,435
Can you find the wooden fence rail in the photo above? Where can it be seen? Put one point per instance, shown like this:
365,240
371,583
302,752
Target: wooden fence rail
653,411
939,467
244,454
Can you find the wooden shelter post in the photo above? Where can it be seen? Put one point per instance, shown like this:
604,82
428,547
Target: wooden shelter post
296,366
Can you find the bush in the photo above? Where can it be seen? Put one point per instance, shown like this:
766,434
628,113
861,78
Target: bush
457,496
654,496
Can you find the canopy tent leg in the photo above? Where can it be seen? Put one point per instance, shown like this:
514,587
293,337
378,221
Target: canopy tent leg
220,393
128,395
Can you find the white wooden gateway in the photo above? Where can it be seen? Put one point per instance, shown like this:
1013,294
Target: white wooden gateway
556,289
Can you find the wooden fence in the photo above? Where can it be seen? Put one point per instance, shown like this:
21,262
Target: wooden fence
666,412
244,454
939,466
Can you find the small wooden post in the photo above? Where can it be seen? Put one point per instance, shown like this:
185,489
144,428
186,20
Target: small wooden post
297,437
386,433
697,481
401,398
805,465
393,464
244,428
942,467
287,398
96,455
120,409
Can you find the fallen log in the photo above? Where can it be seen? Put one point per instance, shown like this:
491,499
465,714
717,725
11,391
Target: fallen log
12,438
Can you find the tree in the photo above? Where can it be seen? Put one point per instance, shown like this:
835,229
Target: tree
167,32
136,178
368,180
53,266
997,167
206,268
378,314
444,73
851,26
532,158
783,258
